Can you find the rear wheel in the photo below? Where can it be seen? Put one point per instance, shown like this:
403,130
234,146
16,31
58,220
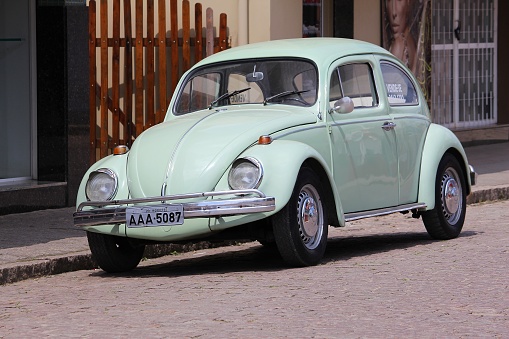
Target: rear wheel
114,254
446,220
300,228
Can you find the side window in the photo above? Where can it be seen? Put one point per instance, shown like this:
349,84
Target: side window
354,81
400,89
335,89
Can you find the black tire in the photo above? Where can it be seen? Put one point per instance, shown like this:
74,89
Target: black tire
114,254
446,220
302,242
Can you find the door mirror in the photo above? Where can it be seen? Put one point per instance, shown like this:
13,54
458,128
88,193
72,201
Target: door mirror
343,105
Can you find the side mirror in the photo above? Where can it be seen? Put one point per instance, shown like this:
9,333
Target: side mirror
343,106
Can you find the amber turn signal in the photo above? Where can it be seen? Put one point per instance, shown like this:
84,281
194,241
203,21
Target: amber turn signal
121,149
264,140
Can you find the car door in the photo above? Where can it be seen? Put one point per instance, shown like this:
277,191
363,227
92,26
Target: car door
364,152
408,112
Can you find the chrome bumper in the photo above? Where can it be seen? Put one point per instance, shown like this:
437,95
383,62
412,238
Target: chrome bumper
473,175
114,211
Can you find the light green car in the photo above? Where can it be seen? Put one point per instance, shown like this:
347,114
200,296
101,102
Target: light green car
275,142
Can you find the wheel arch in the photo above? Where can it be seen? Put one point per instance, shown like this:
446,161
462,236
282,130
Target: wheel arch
282,161
439,141
329,198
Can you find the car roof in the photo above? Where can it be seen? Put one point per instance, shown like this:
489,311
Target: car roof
321,50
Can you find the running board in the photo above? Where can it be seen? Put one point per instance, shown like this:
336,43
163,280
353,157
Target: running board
383,211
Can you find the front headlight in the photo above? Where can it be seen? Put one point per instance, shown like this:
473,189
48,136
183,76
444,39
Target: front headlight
246,173
102,185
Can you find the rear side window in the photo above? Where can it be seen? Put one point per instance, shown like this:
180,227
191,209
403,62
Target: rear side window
400,89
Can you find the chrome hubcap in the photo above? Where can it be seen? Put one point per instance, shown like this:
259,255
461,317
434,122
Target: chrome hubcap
310,217
451,193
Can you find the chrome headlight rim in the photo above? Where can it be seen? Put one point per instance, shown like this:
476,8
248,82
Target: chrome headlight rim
109,173
253,161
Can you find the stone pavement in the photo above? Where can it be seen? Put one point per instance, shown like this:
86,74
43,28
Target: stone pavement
46,242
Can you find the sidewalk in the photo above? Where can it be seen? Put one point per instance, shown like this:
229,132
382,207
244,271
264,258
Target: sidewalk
45,242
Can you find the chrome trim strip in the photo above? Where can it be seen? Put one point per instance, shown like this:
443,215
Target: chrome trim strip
361,121
202,209
297,131
415,116
383,211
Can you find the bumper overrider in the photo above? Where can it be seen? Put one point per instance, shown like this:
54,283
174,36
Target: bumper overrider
473,176
239,202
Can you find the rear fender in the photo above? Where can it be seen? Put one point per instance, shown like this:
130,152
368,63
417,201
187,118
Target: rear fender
439,140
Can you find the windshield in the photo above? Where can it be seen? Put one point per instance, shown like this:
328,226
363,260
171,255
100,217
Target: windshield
260,81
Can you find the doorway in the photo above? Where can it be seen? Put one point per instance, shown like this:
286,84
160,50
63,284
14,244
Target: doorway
17,104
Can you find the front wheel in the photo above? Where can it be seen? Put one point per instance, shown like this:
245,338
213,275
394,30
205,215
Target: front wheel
114,254
446,220
300,228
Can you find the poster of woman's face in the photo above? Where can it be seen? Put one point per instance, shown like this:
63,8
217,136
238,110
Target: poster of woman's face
406,33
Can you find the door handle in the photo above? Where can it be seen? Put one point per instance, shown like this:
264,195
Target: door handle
388,125
457,30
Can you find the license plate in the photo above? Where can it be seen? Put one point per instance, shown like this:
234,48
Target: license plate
157,215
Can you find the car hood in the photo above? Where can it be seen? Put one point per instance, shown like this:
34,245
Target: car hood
190,153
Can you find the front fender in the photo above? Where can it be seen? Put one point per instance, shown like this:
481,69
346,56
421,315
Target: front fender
439,140
116,163
281,161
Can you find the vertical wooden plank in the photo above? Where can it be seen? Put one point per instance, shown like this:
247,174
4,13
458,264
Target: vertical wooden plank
138,65
150,116
186,36
128,61
209,17
115,128
162,61
174,45
198,24
92,76
104,79
222,32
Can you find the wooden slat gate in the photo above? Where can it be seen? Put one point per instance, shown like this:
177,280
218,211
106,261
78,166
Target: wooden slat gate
121,106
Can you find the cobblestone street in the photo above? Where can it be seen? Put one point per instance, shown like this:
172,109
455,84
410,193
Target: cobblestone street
381,277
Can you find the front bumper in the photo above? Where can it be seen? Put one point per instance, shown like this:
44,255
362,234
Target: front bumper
114,211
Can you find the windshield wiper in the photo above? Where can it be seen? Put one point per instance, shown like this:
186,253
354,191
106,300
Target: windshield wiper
227,95
283,94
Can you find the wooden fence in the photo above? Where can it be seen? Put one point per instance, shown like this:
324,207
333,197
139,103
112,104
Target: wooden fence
124,103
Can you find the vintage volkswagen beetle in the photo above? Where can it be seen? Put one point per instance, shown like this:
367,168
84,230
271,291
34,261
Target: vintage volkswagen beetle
276,141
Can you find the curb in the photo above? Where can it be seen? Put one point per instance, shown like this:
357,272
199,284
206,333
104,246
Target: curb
86,262
79,262
492,194
49,267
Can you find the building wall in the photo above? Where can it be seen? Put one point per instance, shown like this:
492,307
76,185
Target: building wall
274,19
62,98
366,22
62,112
